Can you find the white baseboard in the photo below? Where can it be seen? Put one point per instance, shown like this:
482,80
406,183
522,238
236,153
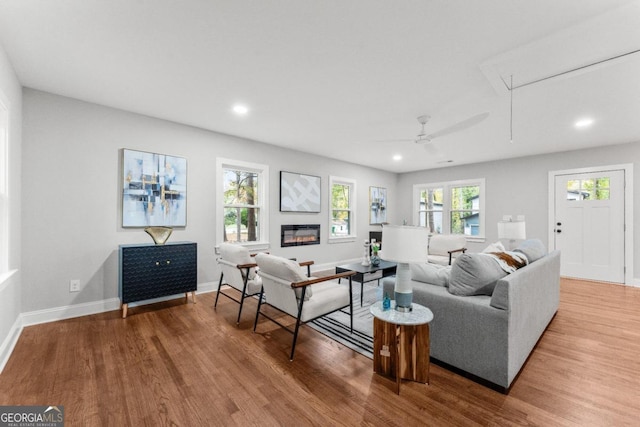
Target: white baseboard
635,283
204,288
95,307
70,311
10,342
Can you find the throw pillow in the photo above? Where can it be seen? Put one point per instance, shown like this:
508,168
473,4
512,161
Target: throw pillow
494,247
474,274
431,273
533,249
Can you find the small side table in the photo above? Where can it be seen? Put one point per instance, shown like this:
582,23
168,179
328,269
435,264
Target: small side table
401,343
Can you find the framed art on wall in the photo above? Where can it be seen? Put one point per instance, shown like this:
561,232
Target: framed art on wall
154,189
377,205
299,192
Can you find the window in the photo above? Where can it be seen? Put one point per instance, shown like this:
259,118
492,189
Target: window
588,189
243,203
342,223
455,207
4,196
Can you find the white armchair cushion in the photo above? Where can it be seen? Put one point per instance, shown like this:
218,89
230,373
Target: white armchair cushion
327,297
441,244
237,254
284,269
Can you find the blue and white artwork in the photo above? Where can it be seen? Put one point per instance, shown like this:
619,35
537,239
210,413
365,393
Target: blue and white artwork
154,190
377,205
299,193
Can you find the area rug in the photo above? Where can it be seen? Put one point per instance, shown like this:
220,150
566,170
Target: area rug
336,325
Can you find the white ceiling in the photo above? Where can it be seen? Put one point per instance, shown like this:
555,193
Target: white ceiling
342,78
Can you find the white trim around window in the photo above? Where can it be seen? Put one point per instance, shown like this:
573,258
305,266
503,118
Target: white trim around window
263,199
351,234
446,187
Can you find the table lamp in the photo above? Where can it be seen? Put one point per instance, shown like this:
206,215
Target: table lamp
511,230
404,245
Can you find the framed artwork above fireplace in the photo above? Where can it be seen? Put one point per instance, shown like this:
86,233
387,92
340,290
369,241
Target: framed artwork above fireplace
299,192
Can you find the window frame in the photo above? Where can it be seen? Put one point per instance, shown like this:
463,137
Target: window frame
446,187
262,171
352,236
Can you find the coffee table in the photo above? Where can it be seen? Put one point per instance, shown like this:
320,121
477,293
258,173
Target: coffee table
368,273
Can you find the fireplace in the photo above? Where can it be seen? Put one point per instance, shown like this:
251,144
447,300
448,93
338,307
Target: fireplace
298,235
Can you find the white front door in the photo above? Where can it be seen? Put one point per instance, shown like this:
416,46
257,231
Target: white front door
589,225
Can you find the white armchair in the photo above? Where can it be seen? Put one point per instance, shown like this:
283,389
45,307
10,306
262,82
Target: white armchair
444,248
287,289
238,270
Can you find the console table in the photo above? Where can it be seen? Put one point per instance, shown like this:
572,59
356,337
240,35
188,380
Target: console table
149,271
401,343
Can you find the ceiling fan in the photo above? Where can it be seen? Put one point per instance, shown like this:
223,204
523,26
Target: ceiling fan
427,138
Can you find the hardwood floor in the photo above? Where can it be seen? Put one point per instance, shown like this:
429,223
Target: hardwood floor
188,365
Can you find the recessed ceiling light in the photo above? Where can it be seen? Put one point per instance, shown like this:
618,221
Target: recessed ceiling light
240,109
397,157
583,123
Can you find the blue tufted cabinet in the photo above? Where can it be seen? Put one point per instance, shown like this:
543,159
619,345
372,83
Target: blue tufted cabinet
151,271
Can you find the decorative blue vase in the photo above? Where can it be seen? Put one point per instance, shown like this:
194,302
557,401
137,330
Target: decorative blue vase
375,260
386,302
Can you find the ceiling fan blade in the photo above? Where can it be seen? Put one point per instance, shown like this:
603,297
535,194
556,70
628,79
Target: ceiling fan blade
432,150
392,140
467,123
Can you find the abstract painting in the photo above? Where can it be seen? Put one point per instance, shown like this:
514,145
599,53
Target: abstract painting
299,193
154,190
377,205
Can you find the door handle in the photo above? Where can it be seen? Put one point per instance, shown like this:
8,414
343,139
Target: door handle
558,231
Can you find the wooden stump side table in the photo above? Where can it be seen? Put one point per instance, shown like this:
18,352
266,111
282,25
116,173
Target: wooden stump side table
401,343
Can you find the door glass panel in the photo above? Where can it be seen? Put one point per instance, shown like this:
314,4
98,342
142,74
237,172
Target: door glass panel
602,188
573,184
588,189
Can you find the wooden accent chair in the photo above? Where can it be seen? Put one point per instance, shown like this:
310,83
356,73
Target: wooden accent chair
238,270
287,289
444,248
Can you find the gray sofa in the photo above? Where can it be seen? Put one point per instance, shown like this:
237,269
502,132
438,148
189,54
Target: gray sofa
491,336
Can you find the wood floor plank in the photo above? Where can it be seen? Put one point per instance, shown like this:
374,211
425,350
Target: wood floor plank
190,365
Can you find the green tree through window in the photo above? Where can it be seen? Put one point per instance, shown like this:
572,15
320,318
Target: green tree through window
241,208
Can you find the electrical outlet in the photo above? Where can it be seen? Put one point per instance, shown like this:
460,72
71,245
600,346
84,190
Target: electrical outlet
74,285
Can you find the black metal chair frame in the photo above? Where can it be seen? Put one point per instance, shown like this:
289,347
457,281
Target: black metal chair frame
304,285
244,294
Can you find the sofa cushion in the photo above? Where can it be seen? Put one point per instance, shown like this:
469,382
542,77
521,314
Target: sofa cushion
431,273
533,249
474,274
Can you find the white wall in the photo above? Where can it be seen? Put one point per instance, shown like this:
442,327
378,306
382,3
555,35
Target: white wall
71,219
520,186
11,96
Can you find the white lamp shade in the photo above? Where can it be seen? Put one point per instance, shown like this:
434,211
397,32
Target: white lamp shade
512,230
404,244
